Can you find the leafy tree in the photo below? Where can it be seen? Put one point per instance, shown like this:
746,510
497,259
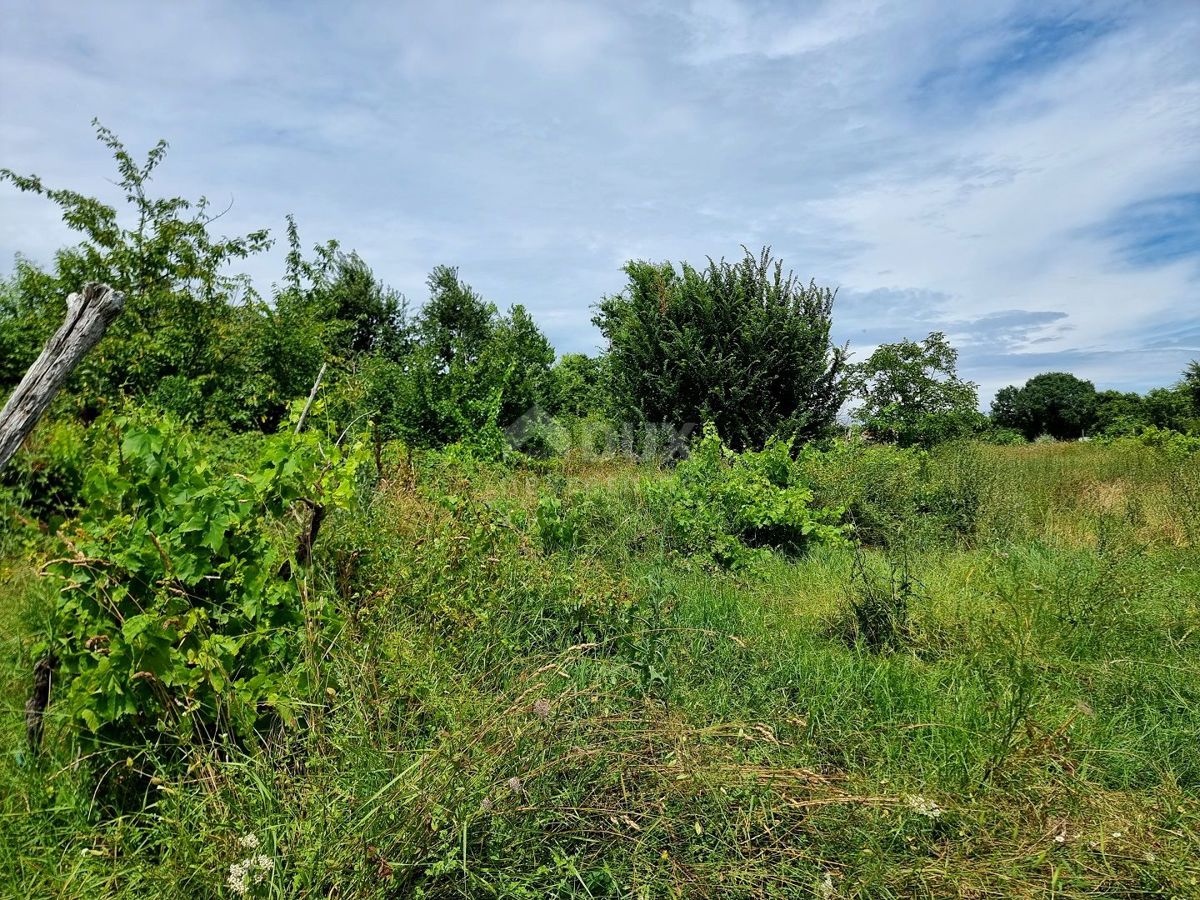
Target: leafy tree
179,322
1054,403
1171,408
911,393
740,345
518,358
1191,384
456,322
27,318
1120,412
469,372
578,385
330,309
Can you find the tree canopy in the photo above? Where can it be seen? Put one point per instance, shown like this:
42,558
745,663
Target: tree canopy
1055,403
910,393
741,345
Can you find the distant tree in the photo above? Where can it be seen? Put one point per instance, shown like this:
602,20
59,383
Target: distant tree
1191,384
330,309
911,394
740,345
1171,407
1055,403
578,385
518,360
469,373
1120,412
455,323
1005,408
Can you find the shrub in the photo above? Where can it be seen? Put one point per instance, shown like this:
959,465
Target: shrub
878,486
741,346
177,613
1000,436
46,476
725,506
881,601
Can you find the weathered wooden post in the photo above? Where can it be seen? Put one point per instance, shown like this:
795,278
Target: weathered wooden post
89,313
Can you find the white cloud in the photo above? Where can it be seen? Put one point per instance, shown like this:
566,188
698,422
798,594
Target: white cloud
948,156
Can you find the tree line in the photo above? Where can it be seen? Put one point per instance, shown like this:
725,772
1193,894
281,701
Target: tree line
744,345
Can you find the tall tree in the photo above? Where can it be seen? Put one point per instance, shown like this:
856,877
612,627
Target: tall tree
159,253
739,344
910,393
1191,384
1054,403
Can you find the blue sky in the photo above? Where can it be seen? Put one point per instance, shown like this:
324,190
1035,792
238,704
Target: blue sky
1022,175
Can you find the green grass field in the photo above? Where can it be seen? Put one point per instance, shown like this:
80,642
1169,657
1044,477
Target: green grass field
535,699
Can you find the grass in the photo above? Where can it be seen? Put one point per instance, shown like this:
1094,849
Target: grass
610,720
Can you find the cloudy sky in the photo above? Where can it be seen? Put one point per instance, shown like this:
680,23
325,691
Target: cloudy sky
1022,175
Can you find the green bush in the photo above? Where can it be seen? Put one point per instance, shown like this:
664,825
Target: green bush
177,612
726,507
878,485
46,476
740,345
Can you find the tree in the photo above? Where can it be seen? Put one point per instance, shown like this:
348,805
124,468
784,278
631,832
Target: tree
740,345
469,372
456,322
1191,384
178,327
1054,403
578,385
1170,407
911,393
1120,412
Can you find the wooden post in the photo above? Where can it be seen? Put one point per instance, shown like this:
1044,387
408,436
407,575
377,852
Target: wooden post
89,313
312,395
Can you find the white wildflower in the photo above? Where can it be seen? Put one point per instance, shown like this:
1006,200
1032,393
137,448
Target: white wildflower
1060,838
827,892
923,806
265,864
251,870
541,708
237,879
514,784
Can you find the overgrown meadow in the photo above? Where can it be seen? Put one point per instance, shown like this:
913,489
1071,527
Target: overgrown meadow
978,675
393,645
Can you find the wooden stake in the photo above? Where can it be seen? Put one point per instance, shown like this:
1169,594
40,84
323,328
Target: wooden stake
89,313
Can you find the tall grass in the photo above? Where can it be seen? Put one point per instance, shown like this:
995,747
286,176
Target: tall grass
534,698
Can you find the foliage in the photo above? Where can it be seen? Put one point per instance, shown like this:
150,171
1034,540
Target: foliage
578,385
1056,404
1165,439
911,394
881,597
727,507
740,345
1172,408
1191,384
1120,412
177,612
46,476
180,318
1001,436
470,372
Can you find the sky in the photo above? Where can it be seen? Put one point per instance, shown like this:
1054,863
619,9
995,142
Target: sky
1024,176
